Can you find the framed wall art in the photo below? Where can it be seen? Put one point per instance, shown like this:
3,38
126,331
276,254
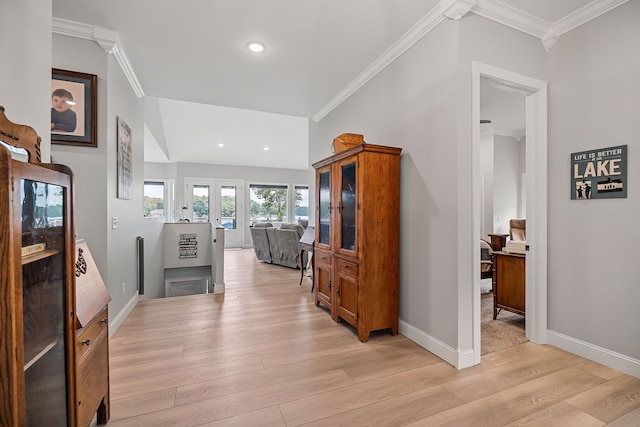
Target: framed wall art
599,174
74,108
125,172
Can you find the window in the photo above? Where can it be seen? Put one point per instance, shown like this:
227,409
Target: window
268,202
301,202
154,199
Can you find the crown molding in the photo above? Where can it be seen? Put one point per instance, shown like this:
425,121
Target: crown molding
456,9
585,14
423,27
108,40
499,12
511,17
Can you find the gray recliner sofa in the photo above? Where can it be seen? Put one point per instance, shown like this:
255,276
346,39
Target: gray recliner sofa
278,245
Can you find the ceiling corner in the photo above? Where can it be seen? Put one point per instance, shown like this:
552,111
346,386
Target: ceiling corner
107,39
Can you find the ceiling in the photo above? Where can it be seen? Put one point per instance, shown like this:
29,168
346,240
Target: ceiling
202,87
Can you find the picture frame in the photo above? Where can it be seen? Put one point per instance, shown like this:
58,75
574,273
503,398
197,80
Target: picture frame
74,113
125,164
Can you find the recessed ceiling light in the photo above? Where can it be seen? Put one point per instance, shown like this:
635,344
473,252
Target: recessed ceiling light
266,148
221,145
256,47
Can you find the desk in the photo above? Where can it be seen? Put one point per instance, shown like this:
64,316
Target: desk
508,283
306,244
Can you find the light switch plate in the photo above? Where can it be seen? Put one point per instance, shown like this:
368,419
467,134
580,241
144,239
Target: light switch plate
114,222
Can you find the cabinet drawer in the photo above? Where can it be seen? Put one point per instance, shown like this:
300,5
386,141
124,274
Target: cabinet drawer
93,379
346,267
323,257
88,335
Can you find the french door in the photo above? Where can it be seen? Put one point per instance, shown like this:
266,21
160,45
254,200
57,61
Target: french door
218,202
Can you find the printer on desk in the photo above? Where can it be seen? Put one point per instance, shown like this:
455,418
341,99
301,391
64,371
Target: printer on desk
517,242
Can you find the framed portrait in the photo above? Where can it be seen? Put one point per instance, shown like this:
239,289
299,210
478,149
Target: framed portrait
125,172
74,108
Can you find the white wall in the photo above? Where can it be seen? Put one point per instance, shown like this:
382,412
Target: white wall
413,104
507,183
486,170
593,244
25,86
95,173
422,103
88,164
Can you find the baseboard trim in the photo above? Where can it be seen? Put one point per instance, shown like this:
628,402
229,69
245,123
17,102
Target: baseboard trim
609,358
117,321
445,352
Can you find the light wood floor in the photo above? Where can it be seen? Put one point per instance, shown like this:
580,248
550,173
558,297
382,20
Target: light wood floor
263,354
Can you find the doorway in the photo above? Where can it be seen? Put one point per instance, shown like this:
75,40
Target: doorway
535,93
218,202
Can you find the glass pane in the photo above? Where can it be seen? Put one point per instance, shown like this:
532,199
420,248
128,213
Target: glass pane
348,207
268,203
200,203
153,199
323,207
43,285
302,204
228,201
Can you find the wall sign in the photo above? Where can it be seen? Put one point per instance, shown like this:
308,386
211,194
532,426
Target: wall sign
599,174
188,246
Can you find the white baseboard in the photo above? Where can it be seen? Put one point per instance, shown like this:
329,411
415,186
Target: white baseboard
600,355
459,359
218,288
116,322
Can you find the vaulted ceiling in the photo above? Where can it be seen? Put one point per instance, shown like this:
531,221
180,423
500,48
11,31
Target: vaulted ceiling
202,87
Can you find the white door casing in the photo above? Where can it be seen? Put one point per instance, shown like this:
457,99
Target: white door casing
536,199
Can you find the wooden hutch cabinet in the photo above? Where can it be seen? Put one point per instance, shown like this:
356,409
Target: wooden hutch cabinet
37,295
357,237
53,353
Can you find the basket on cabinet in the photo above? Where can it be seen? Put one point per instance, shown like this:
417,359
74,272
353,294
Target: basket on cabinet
345,141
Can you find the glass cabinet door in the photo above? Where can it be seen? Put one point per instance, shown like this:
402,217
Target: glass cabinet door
324,206
43,287
347,207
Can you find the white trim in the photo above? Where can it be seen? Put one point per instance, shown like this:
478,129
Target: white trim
511,17
423,27
609,358
536,261
108,40
585,14
494,10
435,346
456,9
116,322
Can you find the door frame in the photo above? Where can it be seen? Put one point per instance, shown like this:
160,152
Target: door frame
535,92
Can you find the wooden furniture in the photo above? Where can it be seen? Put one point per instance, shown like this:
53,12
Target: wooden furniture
508,283
357,237
498,241
91,340
37,290
54,359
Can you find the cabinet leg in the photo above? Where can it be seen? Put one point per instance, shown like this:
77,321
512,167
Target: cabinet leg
363,336
103,411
